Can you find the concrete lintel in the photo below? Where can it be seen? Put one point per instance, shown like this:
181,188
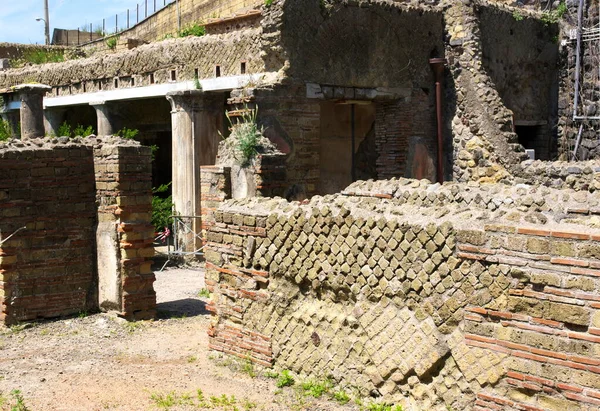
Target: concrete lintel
323,92
153,91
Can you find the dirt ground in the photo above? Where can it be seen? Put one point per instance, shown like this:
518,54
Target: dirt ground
101,362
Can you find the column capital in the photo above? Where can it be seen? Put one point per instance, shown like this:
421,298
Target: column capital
190,100
33,88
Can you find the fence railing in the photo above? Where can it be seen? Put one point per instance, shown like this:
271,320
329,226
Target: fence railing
110,25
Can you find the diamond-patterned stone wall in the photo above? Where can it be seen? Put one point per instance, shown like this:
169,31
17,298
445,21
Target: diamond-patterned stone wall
395,289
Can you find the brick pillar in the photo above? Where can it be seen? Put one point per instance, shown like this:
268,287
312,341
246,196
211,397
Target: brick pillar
197,118
125,233
392,129
215,188
32,109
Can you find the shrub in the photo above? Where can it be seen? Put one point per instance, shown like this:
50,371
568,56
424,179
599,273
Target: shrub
64,130
81,131
285,379
162,208
5,130
247,134
192,30
128,133
112,42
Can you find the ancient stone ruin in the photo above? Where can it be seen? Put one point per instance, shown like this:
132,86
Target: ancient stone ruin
419,217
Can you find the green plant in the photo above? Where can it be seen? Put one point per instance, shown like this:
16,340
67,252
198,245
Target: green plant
379,406
192,30
19,401
517,15
165,401
43,56
64,130
341,397
554,16
197,84
204,293
268,3
82,314
81,131
248,368
112,42
162,208
247,134
316,388
153,151
271,374
192,359
285,379
5,130
128,133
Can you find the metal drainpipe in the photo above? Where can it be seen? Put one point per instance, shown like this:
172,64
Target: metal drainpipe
437,65
353,136
578,58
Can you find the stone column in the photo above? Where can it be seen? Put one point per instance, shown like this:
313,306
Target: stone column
53,118
32,109
106,119
196,119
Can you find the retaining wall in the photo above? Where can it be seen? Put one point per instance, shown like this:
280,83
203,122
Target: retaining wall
474,297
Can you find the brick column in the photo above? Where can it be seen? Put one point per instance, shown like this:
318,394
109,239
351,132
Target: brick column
32,109
196,122
125,233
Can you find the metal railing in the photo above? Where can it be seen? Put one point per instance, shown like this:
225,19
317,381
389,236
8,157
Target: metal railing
186,236
128,19
113,24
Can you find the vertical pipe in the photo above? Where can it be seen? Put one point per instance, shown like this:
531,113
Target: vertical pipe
145,8
353,133
78,42
103,27
137,14
437,65
127,18
440,140
578,57
91,31
154,6
116,23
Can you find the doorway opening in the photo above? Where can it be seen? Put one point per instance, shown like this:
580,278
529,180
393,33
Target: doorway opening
534,137
347,144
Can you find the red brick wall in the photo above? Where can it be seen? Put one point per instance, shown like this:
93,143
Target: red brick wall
47,270
395,123
60,192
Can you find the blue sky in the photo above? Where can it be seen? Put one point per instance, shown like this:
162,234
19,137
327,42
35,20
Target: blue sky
17,17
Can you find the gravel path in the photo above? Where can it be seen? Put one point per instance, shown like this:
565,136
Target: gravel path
101,362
